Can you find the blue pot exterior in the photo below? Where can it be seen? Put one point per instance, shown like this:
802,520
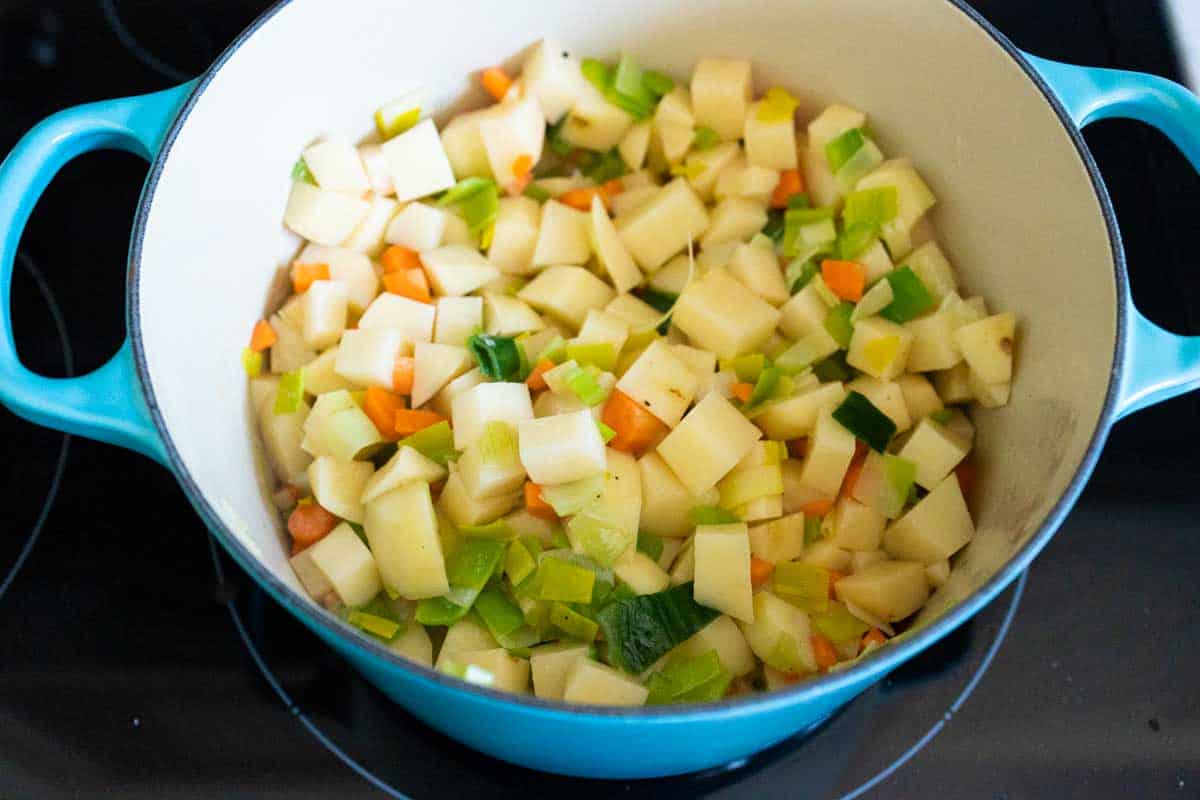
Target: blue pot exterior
110,404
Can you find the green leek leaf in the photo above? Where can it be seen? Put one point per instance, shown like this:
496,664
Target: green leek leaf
712,515
859,415
705,138
435,443
640,630
843,148
910,297
498,356
290,393
301,174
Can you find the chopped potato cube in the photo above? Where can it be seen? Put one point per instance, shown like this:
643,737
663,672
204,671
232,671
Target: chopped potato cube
721,91
346,565
567,293
879,348
890,590
597,684
936,450
720,314
724,636
402,530
712,438
722,578
663,226
550,663
987,346
661,382
563,236
830,449
562,448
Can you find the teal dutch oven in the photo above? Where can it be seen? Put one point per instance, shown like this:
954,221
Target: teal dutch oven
1022,213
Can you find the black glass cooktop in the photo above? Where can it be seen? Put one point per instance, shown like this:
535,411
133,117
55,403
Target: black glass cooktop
138,662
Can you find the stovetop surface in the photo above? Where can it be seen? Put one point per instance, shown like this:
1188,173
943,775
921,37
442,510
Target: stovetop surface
138,662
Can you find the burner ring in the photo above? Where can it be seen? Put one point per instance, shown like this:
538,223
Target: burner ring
60,325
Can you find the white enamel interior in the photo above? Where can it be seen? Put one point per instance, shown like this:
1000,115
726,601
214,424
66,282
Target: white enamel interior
1017,213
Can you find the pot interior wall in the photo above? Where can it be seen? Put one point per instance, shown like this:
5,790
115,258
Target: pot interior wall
1017,213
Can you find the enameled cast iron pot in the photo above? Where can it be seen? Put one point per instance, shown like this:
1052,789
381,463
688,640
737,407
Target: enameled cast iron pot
1023,214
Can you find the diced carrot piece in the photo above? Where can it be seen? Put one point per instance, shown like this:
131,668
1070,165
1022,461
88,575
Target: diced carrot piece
308,524
263,336
637,429
872,638
303,275
535,504
610,189
742,391
537,377
798,448
522,166
824,652
846,279
834,577
817,508
580,199
496,82
381,406
411,420
965,472
854,471
790,183
760,571
402,374
405,283
399,259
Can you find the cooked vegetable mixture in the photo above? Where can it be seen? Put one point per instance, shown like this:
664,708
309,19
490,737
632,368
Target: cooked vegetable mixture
622,390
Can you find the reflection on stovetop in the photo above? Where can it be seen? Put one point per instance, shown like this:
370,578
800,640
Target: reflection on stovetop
124,668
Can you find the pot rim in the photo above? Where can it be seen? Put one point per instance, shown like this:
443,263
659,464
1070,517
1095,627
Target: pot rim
867,670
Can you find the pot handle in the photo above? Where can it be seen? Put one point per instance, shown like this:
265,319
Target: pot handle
1156,364
106,404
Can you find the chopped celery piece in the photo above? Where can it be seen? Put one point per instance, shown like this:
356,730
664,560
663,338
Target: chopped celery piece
519,563
910,297
778,105
640,630
605,167
799,273
712,515
290,393
606,433
870,208
859,415
705,138
583,384
301,174
498,357
498,444
252,362
571,498
841,149
838,324
709,692
381,627
398,124
441,611
629,91
786,655
564,582
839,624
435,443
747,368
766,386
572,623
519,641
499,614
498,531
463,190
877,298
556,351
942,415
681,676
750,483
691,170
803,585
656,82
535,192
650,544
854,239
479,204
599,354
473,563
597,73
596,531
833,368
812,531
